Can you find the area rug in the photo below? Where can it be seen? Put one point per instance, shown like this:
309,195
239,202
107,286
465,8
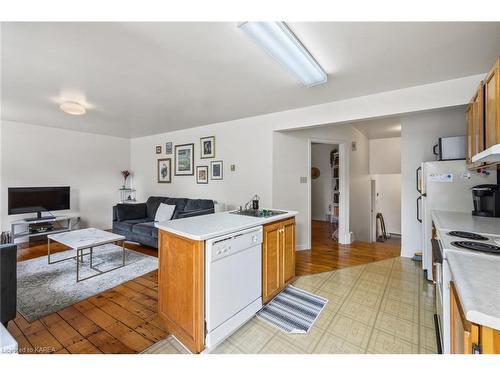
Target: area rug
293,310
44,288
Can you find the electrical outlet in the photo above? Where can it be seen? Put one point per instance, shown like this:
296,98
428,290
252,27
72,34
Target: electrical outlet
303,180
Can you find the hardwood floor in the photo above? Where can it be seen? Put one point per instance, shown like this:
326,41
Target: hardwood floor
124,319
326,254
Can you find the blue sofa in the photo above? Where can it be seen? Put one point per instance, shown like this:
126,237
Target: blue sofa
136,221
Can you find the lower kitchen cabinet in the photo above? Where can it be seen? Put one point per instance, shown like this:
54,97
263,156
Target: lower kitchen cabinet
181,288
278,257
467,337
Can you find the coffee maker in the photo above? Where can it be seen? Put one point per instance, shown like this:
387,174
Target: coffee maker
486,199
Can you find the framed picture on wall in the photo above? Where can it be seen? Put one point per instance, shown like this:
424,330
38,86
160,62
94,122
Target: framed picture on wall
164,170
216,170
207,147
158,149
184,159
168,148
202,174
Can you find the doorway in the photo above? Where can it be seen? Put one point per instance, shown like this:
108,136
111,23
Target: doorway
327,192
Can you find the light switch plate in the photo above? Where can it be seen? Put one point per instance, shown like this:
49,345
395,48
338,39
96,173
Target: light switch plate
233,167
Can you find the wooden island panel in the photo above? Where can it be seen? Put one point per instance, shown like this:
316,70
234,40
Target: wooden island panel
181,288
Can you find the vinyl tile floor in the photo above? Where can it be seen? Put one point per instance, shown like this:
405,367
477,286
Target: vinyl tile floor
383,307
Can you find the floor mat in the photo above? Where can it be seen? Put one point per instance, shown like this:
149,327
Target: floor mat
293,310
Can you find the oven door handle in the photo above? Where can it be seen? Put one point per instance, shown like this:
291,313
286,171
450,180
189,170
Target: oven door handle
437,254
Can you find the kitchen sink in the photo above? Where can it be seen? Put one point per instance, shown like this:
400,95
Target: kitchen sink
258,213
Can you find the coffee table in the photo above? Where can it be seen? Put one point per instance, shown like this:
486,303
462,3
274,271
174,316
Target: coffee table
86,239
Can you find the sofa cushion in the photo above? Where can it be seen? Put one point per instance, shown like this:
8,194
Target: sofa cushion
146,229
130,211
152,205
128,224
198,204
185,214
154,202
122,226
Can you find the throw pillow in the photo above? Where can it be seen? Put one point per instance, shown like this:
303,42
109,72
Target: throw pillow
164,212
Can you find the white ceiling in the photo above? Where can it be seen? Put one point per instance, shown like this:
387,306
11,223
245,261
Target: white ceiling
387,127
147,78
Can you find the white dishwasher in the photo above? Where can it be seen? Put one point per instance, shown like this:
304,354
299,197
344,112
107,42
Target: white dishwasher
233,282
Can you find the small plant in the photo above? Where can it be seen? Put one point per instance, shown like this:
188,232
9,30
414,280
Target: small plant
125,175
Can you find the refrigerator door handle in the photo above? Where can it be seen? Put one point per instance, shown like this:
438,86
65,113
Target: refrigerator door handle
417,179
418,209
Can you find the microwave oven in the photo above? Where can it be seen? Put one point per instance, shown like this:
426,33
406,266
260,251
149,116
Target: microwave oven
450,148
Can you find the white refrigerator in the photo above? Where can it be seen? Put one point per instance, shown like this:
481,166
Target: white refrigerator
444,185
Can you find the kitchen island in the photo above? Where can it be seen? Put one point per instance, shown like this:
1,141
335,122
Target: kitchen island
216,271
468,284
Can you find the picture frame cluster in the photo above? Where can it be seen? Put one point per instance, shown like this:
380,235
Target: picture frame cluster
184,162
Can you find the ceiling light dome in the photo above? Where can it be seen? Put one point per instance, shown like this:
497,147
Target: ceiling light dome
73,108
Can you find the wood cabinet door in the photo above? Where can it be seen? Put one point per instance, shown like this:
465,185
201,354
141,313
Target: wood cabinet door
464,334
271,280
469,152
492,106
478,120
288,251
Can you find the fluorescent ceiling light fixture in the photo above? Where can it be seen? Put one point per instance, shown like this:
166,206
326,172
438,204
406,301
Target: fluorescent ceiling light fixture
279,41
73,108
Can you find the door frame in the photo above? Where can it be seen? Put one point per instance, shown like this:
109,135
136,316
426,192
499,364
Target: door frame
343,231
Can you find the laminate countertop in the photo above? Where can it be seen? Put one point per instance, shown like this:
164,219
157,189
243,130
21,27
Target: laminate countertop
476,275
450,220
477,280
205,227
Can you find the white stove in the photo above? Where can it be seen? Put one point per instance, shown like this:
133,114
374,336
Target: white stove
470,242
478,244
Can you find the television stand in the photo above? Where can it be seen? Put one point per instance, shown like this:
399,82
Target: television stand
32,228
39,217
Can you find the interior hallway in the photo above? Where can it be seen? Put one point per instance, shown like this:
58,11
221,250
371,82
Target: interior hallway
326,254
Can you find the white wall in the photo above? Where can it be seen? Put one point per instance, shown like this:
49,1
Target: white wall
248,147
90,164
249,144
419,132
290,163
385,155
321,187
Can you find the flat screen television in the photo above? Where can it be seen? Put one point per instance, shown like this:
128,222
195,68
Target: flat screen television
23,200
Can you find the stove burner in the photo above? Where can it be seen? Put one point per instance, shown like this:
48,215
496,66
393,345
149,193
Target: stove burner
468,235
477,246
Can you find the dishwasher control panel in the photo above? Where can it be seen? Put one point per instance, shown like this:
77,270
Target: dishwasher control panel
231,244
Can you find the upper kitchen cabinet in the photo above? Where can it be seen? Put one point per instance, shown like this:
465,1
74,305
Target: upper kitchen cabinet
469,144
486,110
474,122
492,105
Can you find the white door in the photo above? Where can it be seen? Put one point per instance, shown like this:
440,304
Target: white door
373,219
